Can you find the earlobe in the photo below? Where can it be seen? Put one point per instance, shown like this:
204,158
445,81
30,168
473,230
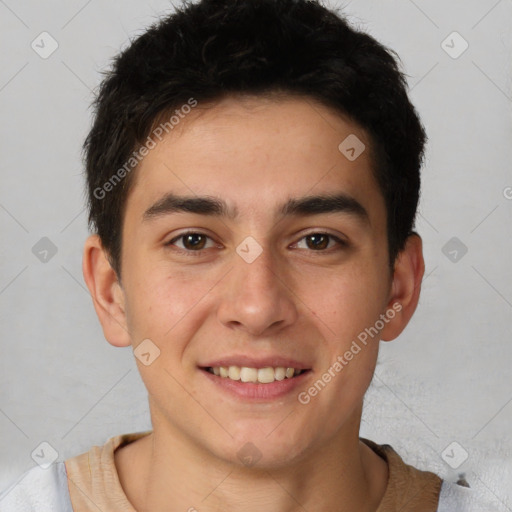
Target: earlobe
106,292
405,289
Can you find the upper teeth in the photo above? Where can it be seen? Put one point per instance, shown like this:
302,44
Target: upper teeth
261,375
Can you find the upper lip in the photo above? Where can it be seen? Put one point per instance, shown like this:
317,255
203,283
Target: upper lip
256,362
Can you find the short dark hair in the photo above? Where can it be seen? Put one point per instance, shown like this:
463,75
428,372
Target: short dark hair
216,48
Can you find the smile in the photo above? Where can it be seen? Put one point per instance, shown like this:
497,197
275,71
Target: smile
265,375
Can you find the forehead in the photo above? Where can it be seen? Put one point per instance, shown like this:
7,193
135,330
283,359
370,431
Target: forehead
253,152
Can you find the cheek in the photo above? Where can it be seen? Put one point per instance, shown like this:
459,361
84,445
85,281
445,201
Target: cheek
357,300
346,302
161,303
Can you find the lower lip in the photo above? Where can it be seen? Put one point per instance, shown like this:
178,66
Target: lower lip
256,391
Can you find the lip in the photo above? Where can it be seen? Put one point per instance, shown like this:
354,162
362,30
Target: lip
256,392
256,362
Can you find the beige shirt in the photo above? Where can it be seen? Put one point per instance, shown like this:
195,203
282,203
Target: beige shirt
94,483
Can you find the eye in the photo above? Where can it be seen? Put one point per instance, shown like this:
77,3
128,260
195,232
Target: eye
320,241
195,242
191,241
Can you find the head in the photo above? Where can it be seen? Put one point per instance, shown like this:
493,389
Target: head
284,142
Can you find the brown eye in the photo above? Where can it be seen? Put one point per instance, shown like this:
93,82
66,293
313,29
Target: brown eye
192,241
319,242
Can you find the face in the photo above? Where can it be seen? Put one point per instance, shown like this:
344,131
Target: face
256,276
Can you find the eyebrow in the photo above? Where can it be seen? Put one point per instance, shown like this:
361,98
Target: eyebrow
214,206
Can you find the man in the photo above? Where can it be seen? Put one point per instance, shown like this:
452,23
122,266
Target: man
253,178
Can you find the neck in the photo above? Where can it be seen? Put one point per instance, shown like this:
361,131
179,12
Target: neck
166,471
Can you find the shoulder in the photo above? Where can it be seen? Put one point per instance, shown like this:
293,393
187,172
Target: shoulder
47,490
408,488
41,490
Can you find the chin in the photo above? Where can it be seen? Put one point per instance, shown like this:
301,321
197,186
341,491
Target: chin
264,447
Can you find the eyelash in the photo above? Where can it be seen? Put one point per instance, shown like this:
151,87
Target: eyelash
342,244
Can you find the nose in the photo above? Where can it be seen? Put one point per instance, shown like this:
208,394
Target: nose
256,297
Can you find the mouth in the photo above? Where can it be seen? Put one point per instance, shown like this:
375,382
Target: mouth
256,384
265,375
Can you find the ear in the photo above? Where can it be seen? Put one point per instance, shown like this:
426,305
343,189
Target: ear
405,288
106,292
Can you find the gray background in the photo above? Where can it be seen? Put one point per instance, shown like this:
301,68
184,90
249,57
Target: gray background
446,379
